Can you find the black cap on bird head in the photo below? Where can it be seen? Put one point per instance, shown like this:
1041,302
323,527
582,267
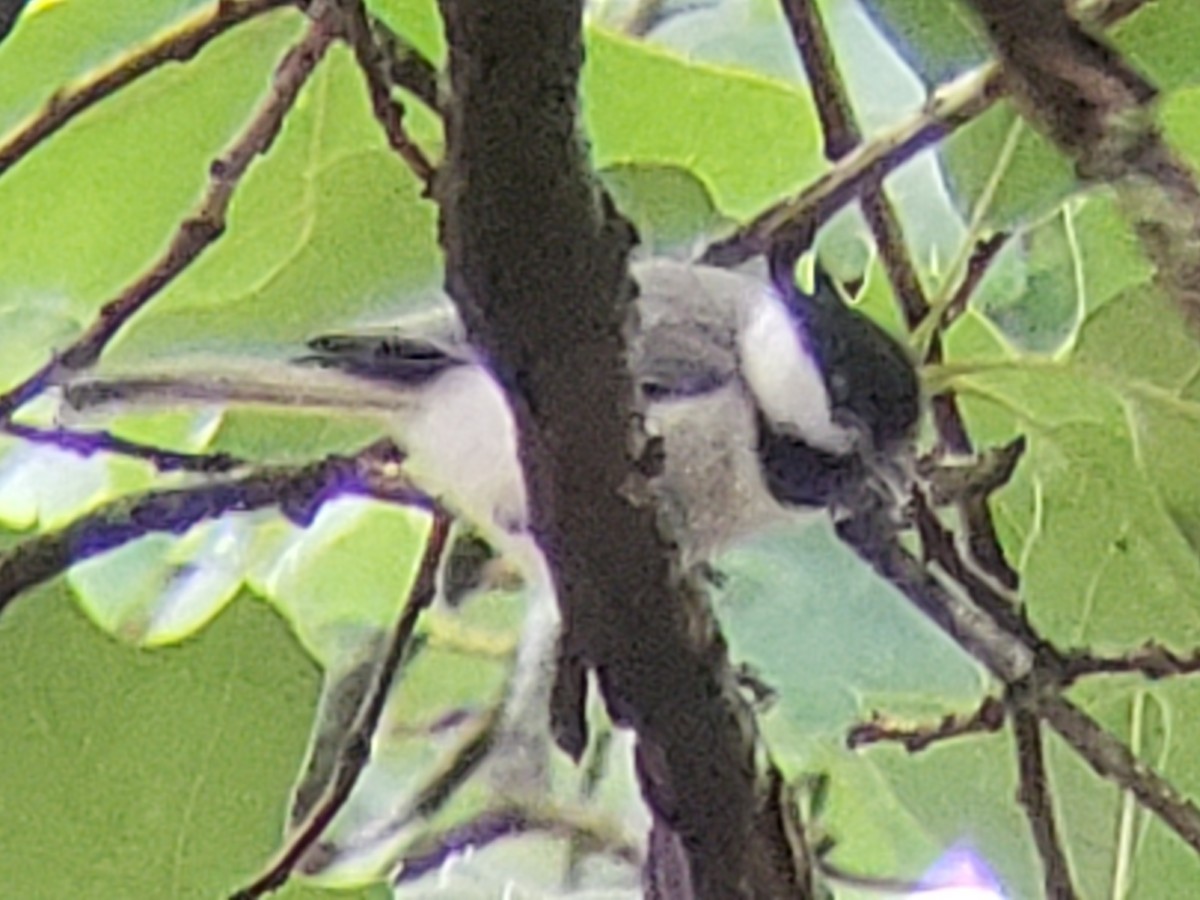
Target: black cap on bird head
872,387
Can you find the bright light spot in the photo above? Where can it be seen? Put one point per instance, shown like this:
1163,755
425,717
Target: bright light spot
40,6
960,874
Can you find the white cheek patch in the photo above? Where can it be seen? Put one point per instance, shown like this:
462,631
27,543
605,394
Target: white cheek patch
784,378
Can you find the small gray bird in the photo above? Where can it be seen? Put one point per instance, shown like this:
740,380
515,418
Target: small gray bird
766,400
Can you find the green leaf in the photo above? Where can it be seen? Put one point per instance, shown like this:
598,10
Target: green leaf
1181,122
1043,305
1003,173
329,230
671,208
748,139
89,211
1112,833
347,574
830,636
1160,40
1106,487
894,813
145,774
418,21
59,42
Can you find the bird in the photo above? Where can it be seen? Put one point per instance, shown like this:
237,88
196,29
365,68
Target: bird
768,401
872,391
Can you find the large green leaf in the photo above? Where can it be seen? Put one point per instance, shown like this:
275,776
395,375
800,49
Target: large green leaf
70,39
131,774
1106,488
89,211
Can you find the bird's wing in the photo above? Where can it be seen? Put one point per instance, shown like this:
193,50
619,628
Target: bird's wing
689,316
393,356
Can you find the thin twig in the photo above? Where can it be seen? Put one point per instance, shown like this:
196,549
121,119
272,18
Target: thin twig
999,648
1111,759
842,135
356,750
980,261
838,125
1013,661
952,482
938,545
451,773
949,107
893,253
952,437
389,112
970,488
179,43
947,419
983,541
297,491
988,718
89,443
492,825
1033,794
1152,660
405,66
198,232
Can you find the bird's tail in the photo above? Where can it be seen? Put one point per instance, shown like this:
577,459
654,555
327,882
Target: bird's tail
220,382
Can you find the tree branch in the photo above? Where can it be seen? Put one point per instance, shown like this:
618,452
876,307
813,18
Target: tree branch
358,34
496,824
179,43
535,261
298,492
1113,760
988,718
842,135
947,109
196,233
355,751
453,770
1095,107
950,107
1152,660
87,444
1034,796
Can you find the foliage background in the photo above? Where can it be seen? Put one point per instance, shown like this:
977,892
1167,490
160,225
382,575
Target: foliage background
157,710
